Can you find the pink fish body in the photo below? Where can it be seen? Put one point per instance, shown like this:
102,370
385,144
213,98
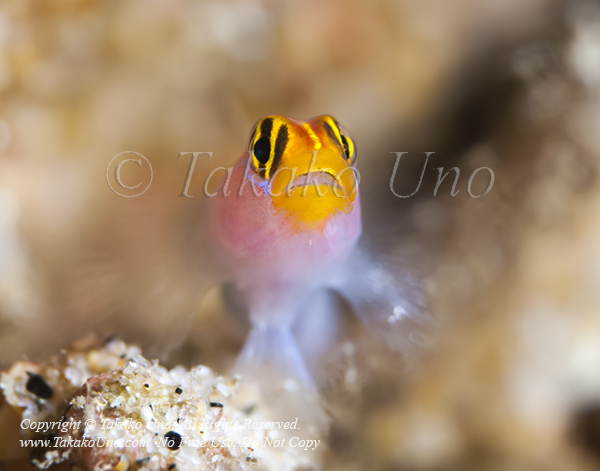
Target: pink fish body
286,223
269,258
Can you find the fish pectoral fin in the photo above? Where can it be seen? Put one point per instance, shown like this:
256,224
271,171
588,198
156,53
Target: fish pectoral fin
388,300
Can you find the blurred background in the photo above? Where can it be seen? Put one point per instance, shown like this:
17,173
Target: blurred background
509,380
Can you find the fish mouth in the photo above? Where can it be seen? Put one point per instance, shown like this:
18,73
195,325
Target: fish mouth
329,176
320,178
313,198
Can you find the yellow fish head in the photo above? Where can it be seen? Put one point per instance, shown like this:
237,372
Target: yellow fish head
307,167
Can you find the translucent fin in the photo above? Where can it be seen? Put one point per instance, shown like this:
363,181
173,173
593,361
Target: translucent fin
318,328
387,299
275,383
271,352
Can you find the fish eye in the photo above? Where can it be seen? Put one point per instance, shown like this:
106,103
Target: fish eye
262,150
339,136
348,145
346,149
267,143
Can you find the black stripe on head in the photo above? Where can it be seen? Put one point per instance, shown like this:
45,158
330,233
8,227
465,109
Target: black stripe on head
331,133
265,127
280,144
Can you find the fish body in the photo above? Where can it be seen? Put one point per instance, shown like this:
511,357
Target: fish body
275,248
285,223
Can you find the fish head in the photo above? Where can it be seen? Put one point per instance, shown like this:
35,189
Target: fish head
306,166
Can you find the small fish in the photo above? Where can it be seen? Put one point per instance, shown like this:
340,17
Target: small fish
287,223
